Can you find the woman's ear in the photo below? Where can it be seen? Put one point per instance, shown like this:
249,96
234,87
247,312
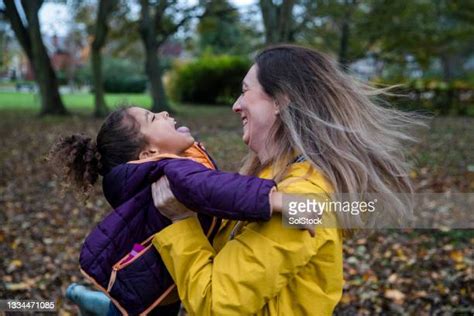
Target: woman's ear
279,102
277,110
148,152
276,107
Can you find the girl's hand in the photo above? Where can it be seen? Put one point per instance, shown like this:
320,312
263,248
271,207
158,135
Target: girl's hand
276,202
166,203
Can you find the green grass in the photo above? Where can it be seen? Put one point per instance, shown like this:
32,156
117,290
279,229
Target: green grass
81,101
84,103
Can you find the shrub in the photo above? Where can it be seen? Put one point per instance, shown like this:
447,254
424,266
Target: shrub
120,76
436,96
123,76
209,79
125,85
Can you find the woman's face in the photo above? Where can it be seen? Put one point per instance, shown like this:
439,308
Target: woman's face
160,132
257,111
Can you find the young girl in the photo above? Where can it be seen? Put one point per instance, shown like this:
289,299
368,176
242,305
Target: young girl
126,151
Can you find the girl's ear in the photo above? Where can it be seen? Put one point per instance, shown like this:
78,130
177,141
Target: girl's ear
148,152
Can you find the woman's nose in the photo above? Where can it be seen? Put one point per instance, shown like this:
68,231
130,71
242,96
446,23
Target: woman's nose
165,114
237,107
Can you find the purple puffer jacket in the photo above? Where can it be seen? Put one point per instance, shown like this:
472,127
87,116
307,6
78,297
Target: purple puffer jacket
143,283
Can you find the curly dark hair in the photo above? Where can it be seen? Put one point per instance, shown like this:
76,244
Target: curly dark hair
119,140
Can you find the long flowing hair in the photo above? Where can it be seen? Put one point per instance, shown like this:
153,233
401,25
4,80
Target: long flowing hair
340,125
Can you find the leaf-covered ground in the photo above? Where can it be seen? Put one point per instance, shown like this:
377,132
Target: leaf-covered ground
392,272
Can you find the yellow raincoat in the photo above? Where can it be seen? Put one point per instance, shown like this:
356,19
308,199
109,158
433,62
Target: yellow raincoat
266,269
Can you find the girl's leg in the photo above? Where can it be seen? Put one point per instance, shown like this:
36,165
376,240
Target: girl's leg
90,303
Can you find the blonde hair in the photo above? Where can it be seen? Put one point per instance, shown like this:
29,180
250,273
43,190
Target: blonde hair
335,122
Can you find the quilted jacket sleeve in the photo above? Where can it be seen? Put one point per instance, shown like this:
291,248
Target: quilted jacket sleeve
126,180
217,193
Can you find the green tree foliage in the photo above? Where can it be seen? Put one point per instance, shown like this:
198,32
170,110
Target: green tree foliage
123,38
441,31
159,21
219,29
120,76
336,27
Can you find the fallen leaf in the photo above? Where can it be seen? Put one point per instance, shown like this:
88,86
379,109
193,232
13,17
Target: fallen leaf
22,286
457,256
395,295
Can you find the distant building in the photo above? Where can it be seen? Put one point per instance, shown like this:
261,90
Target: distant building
171,49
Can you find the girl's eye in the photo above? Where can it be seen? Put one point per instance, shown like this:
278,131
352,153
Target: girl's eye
153,118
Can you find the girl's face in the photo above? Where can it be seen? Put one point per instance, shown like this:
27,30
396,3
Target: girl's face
161,134
257,111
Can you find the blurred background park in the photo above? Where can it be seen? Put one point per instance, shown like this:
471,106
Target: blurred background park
65,64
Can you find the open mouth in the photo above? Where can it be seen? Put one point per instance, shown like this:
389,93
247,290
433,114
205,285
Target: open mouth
244,121
183,129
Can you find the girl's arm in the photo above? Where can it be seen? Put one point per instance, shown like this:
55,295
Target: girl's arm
222,194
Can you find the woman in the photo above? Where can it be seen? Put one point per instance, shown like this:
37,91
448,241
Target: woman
312,129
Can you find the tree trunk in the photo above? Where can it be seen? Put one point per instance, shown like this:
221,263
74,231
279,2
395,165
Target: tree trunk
152,62
155,76
32,43
278,21
447,65
100,108
349,7
100,34
344,45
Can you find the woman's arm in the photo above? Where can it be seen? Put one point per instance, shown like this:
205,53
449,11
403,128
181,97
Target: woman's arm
243,276
249,270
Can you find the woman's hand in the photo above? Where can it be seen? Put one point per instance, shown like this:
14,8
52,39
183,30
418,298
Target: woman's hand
166,203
